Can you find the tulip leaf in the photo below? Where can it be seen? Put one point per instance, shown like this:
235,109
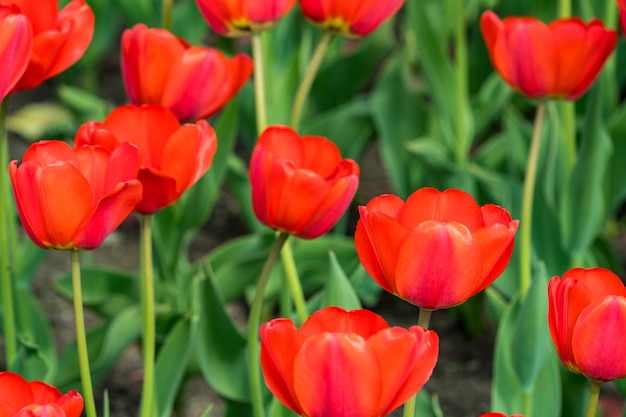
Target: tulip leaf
36,120
531,338
338,290
220,349
171,364
582,209
541,399
105,344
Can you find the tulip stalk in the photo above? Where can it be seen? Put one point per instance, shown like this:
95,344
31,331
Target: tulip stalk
461,84
166,13
8,307
293,280
147,309
254,321
527,201
423,320
307,79
594,396
260,102
81,336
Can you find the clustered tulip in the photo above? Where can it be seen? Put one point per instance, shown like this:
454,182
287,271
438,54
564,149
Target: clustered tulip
557,61
587,318
349,18
435,250
19,398
300,185
173,157
192,81
344,363
60,38
240,18
74,198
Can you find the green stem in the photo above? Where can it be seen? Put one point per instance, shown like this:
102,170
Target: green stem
148,315
527,403
81,336
461,84
166,13
7,246
565,8
568,119
527,202
308,78
594,396
293,280
423,319
259,83
254,321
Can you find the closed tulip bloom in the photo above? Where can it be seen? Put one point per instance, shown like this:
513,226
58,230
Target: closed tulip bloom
344,363
60,38
435,250
193,82
556,61
73,199
587,318
354,18
300,185
173,157
15,44
243,17
35,399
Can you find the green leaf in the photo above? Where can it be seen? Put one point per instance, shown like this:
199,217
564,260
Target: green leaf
338,291
220,349
171,364
34,120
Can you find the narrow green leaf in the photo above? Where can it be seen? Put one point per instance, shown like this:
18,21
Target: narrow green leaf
338,291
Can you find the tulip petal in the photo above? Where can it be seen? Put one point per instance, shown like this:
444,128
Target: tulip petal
280,342
325,389
15,48
598,340
337,320
71,403
320,155
15,393
159,191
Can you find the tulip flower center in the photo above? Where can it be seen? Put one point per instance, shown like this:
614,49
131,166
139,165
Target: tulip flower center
244,25
337,25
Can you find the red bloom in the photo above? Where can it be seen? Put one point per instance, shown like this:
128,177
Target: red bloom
16,38
560,60
300,185
437,249
242,17
349,17
191,81
587,317
60,38
492,414
73,199
345,363
173,157
36,399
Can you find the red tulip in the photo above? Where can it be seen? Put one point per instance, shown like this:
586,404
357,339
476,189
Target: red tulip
499,415
173,157
558,61
435,250
59,38
191,81
300,185
587,317
73,199
353,18
345,363
242,17
16,37
35,399
622,14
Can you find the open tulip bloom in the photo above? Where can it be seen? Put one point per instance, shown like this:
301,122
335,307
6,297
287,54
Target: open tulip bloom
243,17
353,18
435,250
60,38
19,398
344,363
74,198
300,185
173,157
587,318
556,61
193,82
